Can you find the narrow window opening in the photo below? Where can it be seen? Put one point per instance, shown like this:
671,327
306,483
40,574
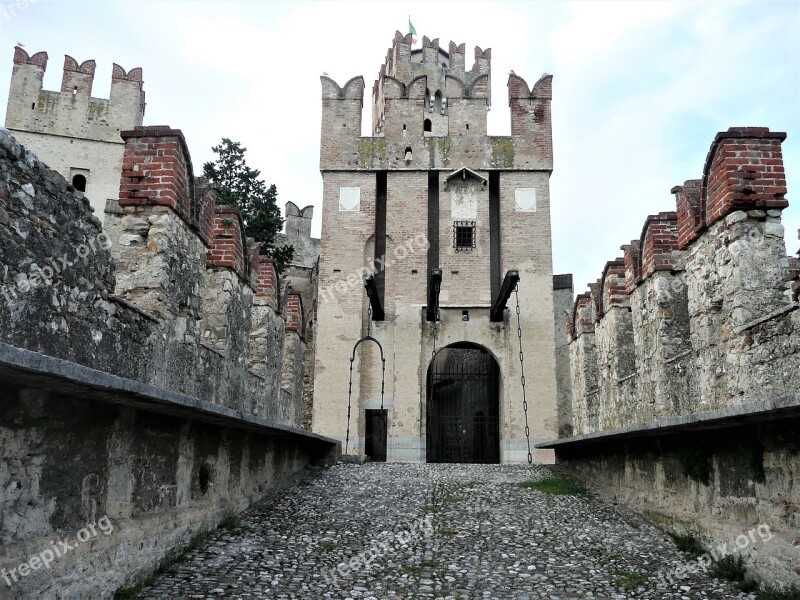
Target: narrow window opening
408,153
79,183
413,271
465,315
467,126
33,106
427,125
74,90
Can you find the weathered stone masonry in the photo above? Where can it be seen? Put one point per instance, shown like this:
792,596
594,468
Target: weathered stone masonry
140,368
685,361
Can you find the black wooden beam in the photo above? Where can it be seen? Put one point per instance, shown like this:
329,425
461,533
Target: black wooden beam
374,297
508,285
434,285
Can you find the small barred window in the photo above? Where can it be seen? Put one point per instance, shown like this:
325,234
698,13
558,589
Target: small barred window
463,235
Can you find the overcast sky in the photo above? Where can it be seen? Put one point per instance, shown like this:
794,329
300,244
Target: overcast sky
639,91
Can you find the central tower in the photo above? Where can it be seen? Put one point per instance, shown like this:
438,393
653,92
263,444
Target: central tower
430,191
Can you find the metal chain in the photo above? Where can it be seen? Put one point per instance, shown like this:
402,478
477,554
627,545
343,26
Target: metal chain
349,401
435,319
522,377
369,317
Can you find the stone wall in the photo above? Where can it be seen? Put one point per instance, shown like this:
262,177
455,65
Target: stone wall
698,322
140,368
741,478
685,363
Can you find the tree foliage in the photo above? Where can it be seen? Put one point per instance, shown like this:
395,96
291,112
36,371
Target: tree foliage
241,187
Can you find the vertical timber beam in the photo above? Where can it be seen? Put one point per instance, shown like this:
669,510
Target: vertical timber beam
380,235
494,232
433,223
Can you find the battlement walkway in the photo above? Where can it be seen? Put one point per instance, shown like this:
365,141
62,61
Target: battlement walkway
377,531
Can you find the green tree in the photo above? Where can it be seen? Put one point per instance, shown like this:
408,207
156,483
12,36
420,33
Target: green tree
241,187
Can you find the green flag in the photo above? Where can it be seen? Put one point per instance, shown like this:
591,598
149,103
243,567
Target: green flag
412,31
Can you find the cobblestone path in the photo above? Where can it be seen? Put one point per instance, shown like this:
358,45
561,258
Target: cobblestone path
395,531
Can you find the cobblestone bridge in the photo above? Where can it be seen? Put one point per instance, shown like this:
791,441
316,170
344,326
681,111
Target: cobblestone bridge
379,531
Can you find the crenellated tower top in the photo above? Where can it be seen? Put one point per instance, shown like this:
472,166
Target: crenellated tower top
72,111
432,74
429,111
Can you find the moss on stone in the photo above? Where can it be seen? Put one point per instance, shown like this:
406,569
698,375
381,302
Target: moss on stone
502,151
371,150
444,144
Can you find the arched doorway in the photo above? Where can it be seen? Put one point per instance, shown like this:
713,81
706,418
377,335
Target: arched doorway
463,406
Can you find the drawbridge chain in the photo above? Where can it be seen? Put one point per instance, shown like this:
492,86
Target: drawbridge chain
366,338
522,377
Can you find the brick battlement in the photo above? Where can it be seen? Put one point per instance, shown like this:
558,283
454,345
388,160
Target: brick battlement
659,244
294,313
612,285
157,171
632,266
228,243
743,171
687,201
268,279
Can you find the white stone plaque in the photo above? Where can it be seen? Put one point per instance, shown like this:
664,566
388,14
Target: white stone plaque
526,199
349,199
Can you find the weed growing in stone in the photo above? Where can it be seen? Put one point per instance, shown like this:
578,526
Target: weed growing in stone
231,520
628,580
719,561
556,485
732,568
688,545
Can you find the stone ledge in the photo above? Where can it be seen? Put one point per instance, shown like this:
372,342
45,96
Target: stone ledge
32,369
773,409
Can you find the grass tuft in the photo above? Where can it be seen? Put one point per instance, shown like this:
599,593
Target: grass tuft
688,545
231,520
556,485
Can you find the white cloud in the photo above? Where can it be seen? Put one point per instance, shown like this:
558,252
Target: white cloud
640,88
